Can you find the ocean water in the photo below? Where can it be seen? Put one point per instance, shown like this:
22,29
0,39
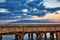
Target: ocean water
12,37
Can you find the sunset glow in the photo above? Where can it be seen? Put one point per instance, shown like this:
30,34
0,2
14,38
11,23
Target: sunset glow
29,11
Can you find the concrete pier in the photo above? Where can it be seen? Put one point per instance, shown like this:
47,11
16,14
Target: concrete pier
51,36
21,29
0,37
37,38
28,36
45,36
40,36
31,36
58,36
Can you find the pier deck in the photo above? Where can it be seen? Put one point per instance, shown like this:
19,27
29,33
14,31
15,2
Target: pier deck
21,29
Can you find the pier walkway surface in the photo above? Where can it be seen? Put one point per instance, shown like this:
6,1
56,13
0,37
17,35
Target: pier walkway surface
21,29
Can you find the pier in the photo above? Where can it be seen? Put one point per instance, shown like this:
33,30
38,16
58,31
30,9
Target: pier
19,30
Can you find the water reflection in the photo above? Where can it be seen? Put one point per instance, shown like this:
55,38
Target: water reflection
45,36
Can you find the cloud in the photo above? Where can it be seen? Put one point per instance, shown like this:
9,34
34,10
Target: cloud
7,21
51,3
29,1
51,16
4,10
58,11
25,10
2,0
55,17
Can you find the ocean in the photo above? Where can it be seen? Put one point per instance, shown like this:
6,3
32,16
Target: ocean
12,37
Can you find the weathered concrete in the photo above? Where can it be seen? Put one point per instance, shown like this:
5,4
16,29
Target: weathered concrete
13,28
21,29
52,36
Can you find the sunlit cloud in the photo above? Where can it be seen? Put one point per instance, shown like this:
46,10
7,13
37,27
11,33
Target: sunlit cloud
25,10
51,16
51,3
31,11
7,21
58,11
40,3
29,1
35,9
55,17
25,14
4,10
2,0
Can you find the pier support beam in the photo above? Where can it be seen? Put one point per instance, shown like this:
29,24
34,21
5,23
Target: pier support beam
19,36
41,35
28,36
22,36
45,36
0,37
31,36
37,36
57,35
16,37
51,36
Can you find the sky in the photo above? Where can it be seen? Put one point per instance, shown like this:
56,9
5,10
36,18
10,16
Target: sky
52,3
29,11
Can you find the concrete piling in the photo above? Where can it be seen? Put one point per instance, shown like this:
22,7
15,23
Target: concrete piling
31,36
51,36
28,36
45,36
0,37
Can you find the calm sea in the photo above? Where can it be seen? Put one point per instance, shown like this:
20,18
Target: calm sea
12,37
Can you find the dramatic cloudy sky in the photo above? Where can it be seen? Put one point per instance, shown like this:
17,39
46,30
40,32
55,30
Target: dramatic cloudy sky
29,11
51,3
